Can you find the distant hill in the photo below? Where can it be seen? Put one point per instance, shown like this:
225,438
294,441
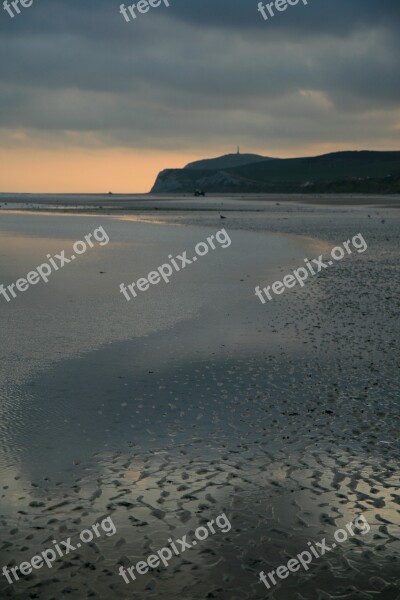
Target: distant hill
226,162
338,172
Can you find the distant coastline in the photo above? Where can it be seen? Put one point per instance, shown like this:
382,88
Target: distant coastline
347,172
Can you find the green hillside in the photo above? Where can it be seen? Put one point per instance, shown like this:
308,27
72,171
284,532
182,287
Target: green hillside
226,162
329,167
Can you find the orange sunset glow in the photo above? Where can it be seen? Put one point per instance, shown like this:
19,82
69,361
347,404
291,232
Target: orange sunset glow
86,171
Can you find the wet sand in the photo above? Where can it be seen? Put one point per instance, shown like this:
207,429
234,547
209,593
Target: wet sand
127,203
201,400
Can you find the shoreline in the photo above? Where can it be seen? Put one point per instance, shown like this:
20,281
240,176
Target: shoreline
128,203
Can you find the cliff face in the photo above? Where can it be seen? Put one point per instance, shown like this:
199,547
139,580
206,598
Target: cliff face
339,172
186,181
168,181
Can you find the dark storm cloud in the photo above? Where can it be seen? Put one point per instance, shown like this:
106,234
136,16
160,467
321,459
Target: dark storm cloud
202,69
320,16
337,17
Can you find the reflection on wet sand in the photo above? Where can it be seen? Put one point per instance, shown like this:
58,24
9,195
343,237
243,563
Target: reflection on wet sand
285,418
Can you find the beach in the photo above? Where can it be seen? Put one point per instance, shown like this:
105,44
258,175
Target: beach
195,399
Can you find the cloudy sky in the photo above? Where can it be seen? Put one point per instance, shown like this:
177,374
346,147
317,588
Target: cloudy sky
89,102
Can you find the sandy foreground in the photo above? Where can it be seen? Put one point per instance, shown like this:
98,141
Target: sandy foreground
199,400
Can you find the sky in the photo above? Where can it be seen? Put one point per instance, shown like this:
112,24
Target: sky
92,103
